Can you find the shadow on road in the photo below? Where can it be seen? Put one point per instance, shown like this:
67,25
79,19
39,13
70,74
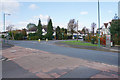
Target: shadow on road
12,70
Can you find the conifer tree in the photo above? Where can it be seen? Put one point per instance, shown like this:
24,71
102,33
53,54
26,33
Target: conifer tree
50,30
39,30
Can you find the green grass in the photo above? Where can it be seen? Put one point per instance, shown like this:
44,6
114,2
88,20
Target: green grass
78,43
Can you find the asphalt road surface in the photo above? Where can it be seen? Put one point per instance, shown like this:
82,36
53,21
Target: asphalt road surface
110,58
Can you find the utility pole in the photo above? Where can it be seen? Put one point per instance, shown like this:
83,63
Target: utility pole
99,23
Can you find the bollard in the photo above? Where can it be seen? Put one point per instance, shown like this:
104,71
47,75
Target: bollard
46,40
38,40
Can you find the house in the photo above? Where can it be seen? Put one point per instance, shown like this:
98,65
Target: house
105,28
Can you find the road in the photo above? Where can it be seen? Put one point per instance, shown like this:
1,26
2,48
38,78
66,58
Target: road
110,58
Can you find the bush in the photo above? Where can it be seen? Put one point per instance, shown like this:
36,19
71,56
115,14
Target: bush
33,38
116,39
19,36
95,39
69,36
31,34
103,40
2,36
87,38
65,36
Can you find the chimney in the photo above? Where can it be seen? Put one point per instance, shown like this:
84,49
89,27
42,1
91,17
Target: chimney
106,24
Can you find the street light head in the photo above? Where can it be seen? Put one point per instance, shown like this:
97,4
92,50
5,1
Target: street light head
9,14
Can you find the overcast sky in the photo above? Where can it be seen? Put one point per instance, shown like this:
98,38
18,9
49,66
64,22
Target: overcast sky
23,13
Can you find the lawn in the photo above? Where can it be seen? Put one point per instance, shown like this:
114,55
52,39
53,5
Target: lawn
78,43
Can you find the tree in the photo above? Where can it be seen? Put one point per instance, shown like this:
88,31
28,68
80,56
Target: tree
39,30
66,31
93,26
72,26
115,31
19,36
85,30
24,32
10,28
31,27
49,30
58,33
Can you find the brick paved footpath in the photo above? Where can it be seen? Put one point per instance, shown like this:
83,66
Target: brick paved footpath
47,65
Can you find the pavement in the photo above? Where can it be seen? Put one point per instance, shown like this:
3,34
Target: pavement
31,59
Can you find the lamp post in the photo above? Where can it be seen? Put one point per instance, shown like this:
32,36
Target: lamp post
99,23
77,30
4,22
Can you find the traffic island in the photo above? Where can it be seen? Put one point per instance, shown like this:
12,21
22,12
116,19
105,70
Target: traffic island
86,45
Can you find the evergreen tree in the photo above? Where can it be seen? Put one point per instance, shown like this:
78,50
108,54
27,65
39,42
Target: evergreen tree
39,29
57,32
65,31
115,31
49,30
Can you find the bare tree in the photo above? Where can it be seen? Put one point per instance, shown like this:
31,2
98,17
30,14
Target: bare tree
10,28
93,26
85,30
72,25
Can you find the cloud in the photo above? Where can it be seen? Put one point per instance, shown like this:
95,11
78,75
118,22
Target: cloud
84,13
42,17
34,19
9,6
33,6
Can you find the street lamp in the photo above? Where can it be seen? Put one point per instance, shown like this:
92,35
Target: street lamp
99,23
4,21
77,30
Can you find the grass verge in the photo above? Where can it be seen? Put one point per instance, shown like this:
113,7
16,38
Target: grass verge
78,43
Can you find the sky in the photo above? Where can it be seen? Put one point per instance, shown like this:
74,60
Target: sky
23,13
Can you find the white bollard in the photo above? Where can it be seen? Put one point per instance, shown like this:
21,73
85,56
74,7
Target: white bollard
38,40
46,40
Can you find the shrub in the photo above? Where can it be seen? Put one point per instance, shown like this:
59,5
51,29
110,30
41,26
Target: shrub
69,36
31,34
19,36
103,40
95,39
65,36
2,36
33,38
